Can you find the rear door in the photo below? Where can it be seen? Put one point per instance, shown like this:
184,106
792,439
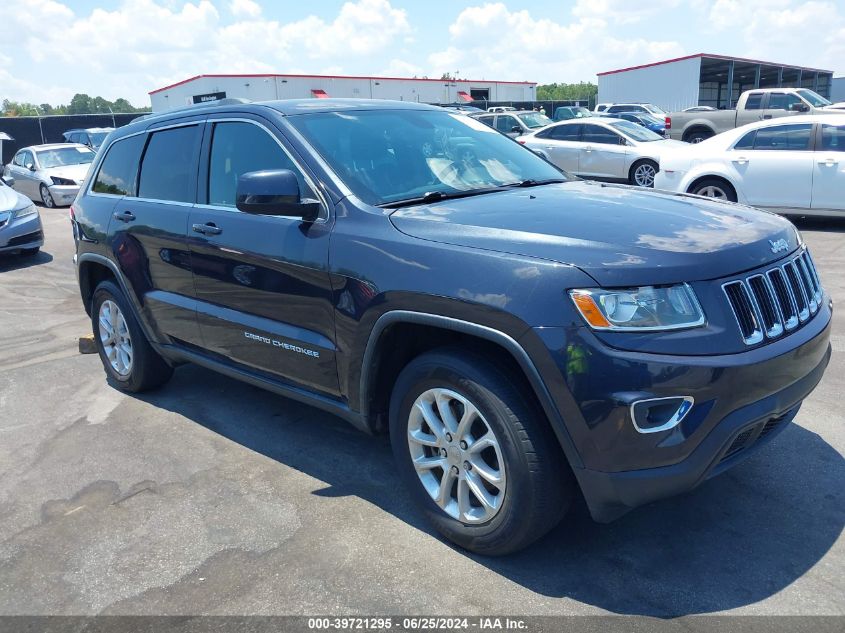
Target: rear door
602,154
148,229
829,168
262,282
777,170
753,110
561,143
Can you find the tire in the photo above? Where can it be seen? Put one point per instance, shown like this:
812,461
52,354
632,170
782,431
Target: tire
47,197
536,486
698,136
141,369
642,173
714,188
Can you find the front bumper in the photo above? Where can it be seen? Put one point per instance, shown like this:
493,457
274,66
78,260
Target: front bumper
21,233
741,401
63,194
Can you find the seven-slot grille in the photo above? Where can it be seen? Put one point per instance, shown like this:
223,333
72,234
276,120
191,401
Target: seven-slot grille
768,304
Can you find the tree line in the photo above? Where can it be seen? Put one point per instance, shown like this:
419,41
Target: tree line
581,91
80,104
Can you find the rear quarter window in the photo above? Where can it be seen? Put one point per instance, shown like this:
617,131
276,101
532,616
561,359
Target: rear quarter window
119,170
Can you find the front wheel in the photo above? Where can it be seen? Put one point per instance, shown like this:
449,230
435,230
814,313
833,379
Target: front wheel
478,457
47,197
642,173
127,356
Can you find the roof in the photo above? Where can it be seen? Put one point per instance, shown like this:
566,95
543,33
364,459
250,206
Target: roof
710,56
89,129
273,76
48,146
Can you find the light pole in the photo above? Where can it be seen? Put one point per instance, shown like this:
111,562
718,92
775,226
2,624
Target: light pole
113,124
40,127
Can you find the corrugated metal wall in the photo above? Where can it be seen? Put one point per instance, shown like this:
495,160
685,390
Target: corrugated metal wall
672,86
837,90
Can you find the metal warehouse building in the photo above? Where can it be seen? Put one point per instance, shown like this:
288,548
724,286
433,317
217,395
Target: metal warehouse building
268,87
704,79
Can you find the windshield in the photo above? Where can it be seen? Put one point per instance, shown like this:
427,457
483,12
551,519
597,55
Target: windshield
650,118
61,157
814,99
636,132
581,112
535,119
385,156
97,138
655,110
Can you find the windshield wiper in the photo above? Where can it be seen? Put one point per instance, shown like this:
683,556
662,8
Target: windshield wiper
437,196
530,182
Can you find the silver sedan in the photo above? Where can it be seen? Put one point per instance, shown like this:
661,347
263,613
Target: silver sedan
20,224
51,174
602,149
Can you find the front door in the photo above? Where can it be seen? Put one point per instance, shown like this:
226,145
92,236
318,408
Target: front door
602,154
262,283
778,171
25,180
829,169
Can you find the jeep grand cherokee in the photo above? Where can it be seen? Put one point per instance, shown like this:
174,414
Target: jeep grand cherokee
520,334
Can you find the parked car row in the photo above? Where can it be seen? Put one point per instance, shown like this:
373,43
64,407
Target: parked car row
50,174
20,223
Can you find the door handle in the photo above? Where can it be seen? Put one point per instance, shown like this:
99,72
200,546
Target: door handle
741,160
767,116
125,216
589,148
829,162
209,228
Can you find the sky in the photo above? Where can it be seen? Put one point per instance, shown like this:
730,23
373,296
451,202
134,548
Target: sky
52,49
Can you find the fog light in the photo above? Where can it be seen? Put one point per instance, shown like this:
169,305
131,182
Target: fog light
660,414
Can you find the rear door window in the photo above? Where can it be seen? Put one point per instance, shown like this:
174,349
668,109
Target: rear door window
566,132
238,148
119,170
754,101
168,168
795,137
488,120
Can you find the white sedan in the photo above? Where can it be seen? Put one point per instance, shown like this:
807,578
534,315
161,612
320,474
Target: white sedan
602,148
794,165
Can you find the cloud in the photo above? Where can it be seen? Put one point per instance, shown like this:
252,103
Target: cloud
245,8
145,44
491,41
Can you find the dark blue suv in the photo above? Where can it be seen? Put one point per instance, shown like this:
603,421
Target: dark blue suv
522,335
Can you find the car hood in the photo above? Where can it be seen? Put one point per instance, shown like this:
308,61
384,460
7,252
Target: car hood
11,199
620,235
72,172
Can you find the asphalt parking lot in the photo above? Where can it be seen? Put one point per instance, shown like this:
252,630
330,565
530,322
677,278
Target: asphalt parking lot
213,497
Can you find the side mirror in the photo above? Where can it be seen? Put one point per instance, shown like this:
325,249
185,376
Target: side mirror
516,129
622,141
30,166
274,192
8,180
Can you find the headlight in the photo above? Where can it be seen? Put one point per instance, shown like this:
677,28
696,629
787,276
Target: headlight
27,210
62,181
639,309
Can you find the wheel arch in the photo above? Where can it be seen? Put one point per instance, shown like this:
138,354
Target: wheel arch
697,126
379,370
711,176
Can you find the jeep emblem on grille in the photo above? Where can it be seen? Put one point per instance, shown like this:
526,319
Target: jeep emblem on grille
779,245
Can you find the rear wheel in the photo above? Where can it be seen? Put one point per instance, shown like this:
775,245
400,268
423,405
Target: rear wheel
478,457
127,356
47,197
642,173
698,136
714,188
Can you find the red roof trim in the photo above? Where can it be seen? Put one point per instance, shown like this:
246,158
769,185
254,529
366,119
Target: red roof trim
727,57
463,95
273,75
320,94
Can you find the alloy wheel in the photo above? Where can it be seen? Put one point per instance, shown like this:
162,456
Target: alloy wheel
456,456
644,175
114,335
47,197
712,191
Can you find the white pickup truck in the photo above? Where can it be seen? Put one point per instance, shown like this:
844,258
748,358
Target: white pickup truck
753,105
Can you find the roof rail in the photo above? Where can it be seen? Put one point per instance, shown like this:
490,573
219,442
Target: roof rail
207,104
